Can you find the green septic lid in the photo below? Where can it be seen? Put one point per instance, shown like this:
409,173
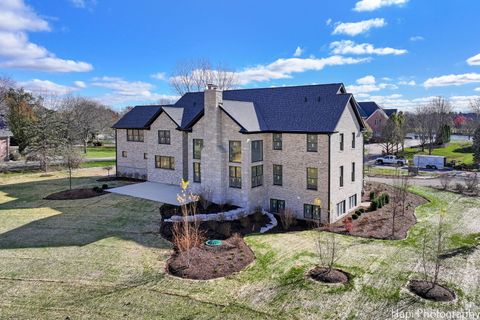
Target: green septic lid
213,242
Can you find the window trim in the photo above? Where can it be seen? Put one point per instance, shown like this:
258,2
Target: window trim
312,208
158,162
257,179
277,202
199,176
260,150
277,174
139,135
341,182
341,204
237,177
351,203
199,151
277,144
164,136
315,149
230,155
316,179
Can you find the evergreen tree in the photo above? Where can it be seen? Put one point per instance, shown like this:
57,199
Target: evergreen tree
476,146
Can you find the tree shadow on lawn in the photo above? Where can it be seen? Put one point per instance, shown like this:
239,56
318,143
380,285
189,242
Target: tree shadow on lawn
74,222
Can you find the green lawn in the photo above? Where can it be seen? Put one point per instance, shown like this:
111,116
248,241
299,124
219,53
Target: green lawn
101,258
458,151
100,152
96,164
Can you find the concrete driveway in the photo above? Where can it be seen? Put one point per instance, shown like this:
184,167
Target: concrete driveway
159,192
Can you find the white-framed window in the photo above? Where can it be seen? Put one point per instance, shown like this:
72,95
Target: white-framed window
341,208
352,201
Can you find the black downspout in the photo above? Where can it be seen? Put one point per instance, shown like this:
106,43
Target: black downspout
329,173
116,154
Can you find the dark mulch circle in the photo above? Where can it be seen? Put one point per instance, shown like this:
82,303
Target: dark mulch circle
325,275
427,290
209,262
74,194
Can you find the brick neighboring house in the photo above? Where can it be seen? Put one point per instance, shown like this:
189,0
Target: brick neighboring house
5,135
273,148
375,116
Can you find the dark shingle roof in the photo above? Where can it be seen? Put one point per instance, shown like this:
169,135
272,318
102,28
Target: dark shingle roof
140,117
313,108
389,112
368,108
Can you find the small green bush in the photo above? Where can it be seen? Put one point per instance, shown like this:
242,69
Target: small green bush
373,205
97,189
104,186
372,195
362,210
359,213
387,198
354,216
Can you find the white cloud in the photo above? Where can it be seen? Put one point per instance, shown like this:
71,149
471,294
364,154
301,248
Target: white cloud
159,76
368,84
417,38
477,89
371,5
474,61
328,22
41,87
124,92
298,52
356,28
407,83
16,51
78,3
350,47
452,80
80,84
284,68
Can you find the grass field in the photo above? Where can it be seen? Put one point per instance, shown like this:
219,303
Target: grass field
101,152
101,258
458,151
96,164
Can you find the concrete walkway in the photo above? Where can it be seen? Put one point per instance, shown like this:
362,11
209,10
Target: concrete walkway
159,192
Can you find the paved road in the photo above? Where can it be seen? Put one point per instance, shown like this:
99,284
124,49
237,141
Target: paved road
373,150
424,182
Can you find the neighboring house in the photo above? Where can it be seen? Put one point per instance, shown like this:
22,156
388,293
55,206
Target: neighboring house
375,116
299,148
5,135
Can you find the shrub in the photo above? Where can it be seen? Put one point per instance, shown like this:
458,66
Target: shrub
354,216
362,210
387,198
379,204
359,213
372,195
212,225
186,236
14,156
97,189
104,186
287,218
224,229
236,239
258,215
244,222
373,205
459,187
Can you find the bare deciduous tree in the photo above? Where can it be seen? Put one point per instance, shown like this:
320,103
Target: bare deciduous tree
399,197
433,246
194,75
327,250
6,83
445,180
72,160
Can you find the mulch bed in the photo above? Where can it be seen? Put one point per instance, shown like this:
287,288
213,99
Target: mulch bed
209,262
427,290
168,210
378,224
223,229
74,194
325,275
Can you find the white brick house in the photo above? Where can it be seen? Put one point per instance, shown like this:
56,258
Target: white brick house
273,148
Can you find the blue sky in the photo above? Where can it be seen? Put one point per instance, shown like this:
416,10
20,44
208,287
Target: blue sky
399,53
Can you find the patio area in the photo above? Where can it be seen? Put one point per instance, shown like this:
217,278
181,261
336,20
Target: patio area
159,192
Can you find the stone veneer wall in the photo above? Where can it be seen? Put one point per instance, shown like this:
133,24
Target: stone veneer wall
133,164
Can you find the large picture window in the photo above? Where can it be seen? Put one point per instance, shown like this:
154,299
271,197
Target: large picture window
277,206
257,176
163,162
312,178
235,177
277,141
197,148
257,150
311,211
235,151
312,142
277,175
135,135
163,136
